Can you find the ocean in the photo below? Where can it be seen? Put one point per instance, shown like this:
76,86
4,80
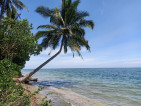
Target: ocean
112,86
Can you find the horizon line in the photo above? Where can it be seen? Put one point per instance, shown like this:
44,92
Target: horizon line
85,68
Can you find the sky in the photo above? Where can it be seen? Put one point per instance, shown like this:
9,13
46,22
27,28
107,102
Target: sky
115,40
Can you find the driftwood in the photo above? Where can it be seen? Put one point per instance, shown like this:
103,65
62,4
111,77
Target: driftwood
18,80
33,79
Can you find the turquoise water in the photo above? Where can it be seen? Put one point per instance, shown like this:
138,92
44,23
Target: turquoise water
113,86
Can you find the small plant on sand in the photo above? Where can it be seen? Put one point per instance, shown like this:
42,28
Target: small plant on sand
46,103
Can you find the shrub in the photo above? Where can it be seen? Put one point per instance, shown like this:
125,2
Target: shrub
10,93
7,67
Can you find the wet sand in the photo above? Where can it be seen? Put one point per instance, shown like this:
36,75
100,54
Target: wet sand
69,97
60,97
38,99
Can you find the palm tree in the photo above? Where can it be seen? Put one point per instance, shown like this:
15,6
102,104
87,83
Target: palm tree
10,6
67,29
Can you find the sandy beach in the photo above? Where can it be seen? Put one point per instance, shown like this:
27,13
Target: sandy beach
70,97
60,97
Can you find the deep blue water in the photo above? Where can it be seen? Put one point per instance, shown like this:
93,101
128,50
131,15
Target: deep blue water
113,86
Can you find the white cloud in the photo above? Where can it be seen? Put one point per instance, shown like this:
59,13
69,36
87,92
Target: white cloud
63,61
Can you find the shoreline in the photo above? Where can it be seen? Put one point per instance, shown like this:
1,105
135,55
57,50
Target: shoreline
61,97
111,87
73,98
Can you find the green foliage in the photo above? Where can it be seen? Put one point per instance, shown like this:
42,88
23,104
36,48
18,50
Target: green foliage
24,101
17,43
7,67
46,103
37,91
11,94
50,93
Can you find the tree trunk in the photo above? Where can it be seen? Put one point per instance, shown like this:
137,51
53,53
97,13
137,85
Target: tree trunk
1,18
24,79
2,11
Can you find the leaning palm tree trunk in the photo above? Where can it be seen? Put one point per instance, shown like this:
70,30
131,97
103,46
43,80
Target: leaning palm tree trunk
24,79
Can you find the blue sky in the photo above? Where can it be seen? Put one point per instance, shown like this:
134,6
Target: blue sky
115,40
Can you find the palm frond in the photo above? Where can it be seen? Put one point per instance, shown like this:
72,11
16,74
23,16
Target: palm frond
59,15
78,52
19,4
9,12
70,12
55,42
81,42
15,10
45,33
80,15
76,29
55,19
50,41
14,15
66,4
87,23
10,8
65,44
48,26
75,4
45,42
69,15
45,12
74,46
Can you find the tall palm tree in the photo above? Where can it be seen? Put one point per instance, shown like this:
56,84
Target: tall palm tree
67,29
10,6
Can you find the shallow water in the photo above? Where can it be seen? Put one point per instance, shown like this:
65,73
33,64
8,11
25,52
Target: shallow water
113,86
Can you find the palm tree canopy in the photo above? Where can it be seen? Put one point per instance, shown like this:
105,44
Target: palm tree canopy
10,7
67,23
